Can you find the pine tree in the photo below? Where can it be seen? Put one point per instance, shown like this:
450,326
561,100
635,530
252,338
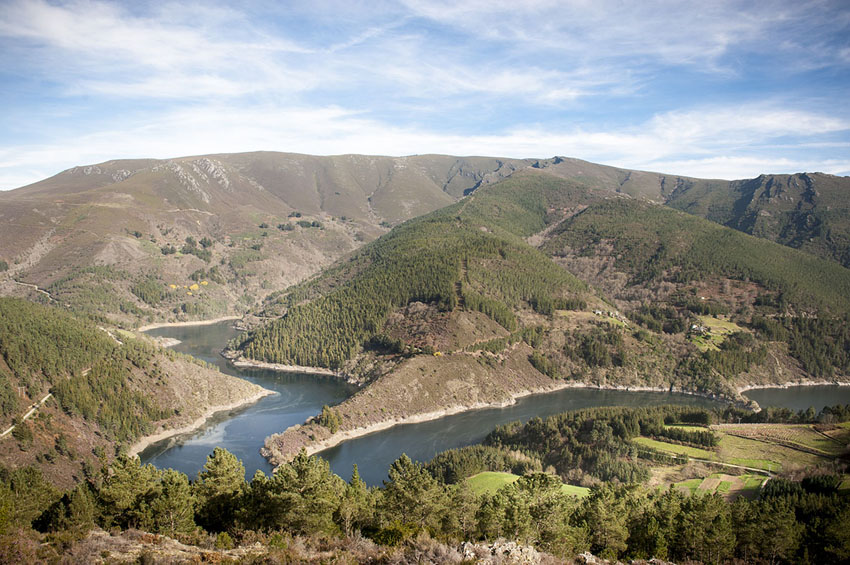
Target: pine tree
218,489
172,508
412,495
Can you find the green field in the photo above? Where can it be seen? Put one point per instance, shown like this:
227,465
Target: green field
729,486
491,481
688,427
575,490
691,485
675,449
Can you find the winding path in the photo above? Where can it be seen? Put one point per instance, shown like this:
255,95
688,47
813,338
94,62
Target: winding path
35,288
31,411
34,408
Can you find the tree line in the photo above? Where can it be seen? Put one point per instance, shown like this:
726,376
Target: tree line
790,522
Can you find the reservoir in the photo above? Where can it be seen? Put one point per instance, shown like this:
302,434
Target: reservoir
243,432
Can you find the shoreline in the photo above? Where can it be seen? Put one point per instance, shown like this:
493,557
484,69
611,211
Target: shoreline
792,384
280,367
158,325
346,435
146,441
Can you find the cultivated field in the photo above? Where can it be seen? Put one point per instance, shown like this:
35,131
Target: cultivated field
717,331
729,486
826,441
491,481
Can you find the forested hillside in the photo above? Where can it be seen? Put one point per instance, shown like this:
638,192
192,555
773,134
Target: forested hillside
806,211
463,256
92,393
652,243
658,299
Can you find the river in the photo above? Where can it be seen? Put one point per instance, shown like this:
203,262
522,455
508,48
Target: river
243,431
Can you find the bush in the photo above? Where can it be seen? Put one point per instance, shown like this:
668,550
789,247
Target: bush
223,541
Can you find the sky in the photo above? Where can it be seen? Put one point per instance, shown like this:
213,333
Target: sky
719,89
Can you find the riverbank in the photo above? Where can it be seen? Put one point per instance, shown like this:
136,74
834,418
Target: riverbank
791,384
243,362
147,441
191,323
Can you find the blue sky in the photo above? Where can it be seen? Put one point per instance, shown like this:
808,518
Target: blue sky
710,89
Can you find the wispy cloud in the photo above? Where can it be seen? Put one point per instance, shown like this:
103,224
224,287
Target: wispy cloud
642,84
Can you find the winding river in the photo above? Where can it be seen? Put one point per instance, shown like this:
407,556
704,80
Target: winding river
243,431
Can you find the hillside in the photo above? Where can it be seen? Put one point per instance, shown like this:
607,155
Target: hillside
88,393
124,241
133,241
456,309
806,211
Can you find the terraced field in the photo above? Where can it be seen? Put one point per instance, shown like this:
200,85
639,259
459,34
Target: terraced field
729,486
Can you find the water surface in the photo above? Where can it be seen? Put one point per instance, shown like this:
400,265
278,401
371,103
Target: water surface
375,452
299,396
801,397
242,431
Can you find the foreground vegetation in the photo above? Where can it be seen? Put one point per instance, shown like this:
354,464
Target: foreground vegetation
789,522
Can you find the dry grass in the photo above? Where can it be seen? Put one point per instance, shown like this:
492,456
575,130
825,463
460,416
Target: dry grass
758,453
802,436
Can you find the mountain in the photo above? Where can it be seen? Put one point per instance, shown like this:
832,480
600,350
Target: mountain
539,282
124,241
806,211
131,241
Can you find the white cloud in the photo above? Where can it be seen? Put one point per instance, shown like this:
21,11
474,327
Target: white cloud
541,78
733,167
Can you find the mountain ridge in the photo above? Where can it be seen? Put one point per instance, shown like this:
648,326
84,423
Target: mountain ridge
273,219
